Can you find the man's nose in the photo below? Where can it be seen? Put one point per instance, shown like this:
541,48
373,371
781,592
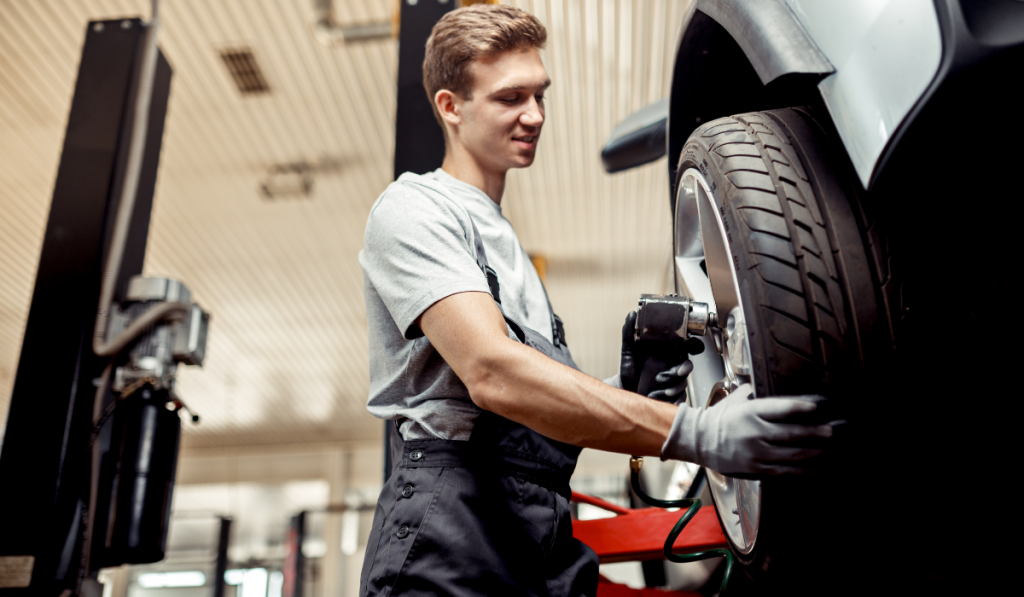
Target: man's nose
534,114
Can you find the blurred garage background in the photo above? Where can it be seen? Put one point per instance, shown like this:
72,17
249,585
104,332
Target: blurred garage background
277,142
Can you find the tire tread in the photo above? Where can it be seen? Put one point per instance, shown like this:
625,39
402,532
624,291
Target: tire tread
786,240
819,286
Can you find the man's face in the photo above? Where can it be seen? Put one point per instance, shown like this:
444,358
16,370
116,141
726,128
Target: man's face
501,123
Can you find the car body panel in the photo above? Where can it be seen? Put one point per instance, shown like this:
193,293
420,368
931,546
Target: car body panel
875,64
886,54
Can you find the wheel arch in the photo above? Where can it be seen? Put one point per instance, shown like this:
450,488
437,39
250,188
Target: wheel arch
742,56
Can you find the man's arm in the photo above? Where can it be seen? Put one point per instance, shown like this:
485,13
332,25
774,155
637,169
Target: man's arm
521,384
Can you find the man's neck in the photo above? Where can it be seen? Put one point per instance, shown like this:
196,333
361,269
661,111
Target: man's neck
462,166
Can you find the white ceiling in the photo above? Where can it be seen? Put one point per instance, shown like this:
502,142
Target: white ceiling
287,359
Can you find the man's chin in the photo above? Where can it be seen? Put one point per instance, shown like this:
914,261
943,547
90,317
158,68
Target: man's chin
524,161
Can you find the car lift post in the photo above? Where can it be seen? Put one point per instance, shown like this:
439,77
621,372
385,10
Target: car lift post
419,142
45,459
221,567
294,560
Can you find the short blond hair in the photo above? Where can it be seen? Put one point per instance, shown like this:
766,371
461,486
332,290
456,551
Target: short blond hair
471,33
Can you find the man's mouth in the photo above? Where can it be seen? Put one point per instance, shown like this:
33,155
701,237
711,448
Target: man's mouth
526,140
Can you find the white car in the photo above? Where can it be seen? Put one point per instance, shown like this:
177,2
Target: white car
843,175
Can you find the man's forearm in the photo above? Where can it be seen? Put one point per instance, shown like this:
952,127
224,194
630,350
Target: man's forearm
521,384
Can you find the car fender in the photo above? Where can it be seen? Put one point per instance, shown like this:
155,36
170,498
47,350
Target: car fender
871,64
771,36
728,53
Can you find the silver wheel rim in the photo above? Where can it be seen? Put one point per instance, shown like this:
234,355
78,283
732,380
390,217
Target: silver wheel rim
725,365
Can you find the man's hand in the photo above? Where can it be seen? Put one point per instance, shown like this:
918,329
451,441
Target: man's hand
670,383
631,364
746,437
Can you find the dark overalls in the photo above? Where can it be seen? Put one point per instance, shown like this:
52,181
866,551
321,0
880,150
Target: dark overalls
488,516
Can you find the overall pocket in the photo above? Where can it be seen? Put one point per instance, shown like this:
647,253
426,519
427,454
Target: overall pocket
416,494
372,545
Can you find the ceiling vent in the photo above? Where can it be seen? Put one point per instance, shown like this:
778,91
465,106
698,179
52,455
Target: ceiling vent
295,179
245,71
288,180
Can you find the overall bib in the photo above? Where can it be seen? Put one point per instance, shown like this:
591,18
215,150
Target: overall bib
488,516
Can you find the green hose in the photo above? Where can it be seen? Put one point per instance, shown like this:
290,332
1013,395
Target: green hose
692,505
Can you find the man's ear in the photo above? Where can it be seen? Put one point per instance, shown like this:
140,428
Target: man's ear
449,106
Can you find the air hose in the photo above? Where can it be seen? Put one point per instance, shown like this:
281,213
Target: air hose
692,506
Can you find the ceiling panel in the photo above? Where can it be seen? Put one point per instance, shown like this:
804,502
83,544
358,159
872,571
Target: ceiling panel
287,359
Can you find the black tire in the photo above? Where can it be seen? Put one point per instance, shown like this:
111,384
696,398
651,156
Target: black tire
815,280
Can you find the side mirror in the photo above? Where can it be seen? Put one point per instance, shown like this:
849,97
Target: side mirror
637,140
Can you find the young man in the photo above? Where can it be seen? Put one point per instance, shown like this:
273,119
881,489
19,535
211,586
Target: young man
470,362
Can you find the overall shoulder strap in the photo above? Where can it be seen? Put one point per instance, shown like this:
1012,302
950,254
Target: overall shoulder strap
481,260
557,330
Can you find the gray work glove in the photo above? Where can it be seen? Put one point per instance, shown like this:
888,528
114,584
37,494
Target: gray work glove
670,384
744,437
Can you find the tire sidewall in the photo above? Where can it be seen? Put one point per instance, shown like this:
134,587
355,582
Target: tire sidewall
696,156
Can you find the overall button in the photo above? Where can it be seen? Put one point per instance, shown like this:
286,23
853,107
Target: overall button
403,531
415,455
407,491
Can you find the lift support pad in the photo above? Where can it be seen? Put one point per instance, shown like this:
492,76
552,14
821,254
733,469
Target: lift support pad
634,535
639,534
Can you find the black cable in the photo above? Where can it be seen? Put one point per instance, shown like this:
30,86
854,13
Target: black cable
696,487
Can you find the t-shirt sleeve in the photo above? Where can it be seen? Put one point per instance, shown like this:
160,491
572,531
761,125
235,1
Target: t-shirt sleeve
416,251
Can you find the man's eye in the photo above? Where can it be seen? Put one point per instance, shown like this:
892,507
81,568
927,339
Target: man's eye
509,100
540,97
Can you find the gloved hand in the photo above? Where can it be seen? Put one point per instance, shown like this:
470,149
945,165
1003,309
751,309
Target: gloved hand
744,437
669,384
631,364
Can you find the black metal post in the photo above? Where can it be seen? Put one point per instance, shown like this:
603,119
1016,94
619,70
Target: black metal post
45,462
223,541
294,561
419,142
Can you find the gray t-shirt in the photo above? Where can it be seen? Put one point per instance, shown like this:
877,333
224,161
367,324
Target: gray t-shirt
418,249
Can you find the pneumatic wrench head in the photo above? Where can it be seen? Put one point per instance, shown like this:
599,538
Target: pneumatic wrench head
669,322
664,335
